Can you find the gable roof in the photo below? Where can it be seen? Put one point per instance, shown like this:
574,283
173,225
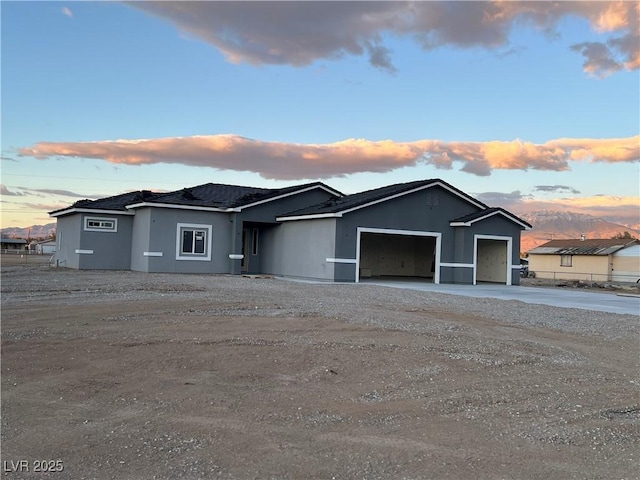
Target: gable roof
597,246
470,219
339,206
209,196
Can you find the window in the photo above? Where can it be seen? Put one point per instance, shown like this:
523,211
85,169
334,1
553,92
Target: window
100,224
254,242
566,260
193,242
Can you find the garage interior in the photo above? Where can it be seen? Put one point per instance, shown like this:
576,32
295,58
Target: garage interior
491,263
395,255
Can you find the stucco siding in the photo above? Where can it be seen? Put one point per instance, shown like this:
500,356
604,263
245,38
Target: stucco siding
163,236
300,249
106,250
68,240
140,240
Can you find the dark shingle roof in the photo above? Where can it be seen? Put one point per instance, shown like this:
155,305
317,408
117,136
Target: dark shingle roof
117,202
213,195
488,212
225,196
363,198
595,246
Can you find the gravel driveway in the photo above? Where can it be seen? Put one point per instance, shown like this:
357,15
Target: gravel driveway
130,375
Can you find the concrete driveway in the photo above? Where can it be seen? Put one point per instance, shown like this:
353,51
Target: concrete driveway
557,297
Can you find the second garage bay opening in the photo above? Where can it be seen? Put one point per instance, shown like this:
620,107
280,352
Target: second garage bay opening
398,253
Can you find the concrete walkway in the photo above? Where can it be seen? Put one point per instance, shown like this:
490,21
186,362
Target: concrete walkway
557,297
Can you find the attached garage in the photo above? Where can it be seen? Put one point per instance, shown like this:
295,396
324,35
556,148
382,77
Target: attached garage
428,230
492,263
397,253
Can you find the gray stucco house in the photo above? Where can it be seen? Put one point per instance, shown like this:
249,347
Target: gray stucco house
426,229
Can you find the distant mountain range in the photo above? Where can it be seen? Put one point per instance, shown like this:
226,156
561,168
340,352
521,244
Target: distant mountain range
34,231
556,225
547,225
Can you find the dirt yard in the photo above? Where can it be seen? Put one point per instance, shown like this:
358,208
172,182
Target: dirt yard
124,375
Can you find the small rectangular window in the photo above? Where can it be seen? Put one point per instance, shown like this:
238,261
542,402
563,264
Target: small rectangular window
254,242
566,260
97,224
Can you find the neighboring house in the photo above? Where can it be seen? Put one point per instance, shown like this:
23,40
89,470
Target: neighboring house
425,229
593,260
13,244
43,248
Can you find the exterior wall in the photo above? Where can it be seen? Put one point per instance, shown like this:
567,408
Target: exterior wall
140,239
409,212
584,267
626,265
157,234
68,230
496,226
300,249
109,250
261,217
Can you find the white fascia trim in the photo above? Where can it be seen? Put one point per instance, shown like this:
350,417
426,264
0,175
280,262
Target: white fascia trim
353,261
84,252
470,222
457,265
179,207
408,192
285,195
152,254
391,231
90,210
309,217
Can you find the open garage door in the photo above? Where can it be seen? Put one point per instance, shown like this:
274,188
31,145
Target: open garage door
398,253
492,259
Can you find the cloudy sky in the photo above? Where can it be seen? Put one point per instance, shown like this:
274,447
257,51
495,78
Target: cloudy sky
525,105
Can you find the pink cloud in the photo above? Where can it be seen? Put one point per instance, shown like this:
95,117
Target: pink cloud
293,161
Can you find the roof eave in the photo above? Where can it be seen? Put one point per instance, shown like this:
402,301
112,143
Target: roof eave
70,211
308,217
524,225
289,194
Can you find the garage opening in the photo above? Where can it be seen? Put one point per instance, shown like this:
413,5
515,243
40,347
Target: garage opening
492,261
397,253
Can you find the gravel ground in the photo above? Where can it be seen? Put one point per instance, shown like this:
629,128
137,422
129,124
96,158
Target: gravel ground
132,375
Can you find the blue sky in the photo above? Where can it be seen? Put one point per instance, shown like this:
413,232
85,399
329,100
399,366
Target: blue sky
528,109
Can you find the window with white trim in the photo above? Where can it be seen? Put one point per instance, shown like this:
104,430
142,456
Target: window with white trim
193,242
100,224
566,260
